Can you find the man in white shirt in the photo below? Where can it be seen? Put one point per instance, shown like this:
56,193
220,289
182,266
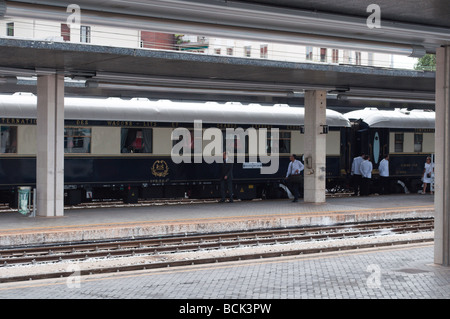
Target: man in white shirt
293,176
366,174
356,173
383,168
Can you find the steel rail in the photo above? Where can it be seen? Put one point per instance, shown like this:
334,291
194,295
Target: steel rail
201,242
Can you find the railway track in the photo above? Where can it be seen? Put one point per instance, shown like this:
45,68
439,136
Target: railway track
192,243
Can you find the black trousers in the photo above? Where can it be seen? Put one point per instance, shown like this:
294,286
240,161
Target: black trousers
365,186
224,185
384,186
357,180
295,184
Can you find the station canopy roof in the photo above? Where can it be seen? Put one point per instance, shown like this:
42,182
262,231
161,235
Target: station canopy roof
156,74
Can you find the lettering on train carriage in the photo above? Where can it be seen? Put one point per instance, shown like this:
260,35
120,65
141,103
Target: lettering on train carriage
131,123
16,121
160,168
424,130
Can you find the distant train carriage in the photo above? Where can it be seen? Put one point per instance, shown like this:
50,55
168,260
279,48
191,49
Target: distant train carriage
407,136
121,149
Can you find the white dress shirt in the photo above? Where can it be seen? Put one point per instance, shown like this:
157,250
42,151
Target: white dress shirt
295,168
356,165
366,169
384,168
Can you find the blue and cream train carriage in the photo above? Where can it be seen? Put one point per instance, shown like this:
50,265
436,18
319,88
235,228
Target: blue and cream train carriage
406,135
121,149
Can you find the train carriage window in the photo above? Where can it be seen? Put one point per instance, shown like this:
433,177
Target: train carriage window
418,142
185,144
136,140
77,140
232,142
10,29
8,141
399,137
284,142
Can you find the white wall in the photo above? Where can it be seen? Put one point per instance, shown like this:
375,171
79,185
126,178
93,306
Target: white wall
38,29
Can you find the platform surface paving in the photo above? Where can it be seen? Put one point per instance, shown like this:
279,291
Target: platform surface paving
401,272
170,212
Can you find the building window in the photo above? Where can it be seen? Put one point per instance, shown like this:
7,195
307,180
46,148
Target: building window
77,140
370,59
65,32
85,34
418,142
399,137
247,51
10,29
309,53
358,58
229,51
217,51
346,56
135,140
335,57
8,140
323,55
264,51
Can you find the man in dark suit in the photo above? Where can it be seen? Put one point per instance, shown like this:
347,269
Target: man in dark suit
226,178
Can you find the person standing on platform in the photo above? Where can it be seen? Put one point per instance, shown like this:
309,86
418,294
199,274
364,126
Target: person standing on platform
226,178
356,173
383,168
428,175
366,174
293,176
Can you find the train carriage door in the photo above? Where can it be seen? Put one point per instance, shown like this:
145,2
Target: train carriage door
361,142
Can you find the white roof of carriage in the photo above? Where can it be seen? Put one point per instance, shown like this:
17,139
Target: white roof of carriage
116,109
398,118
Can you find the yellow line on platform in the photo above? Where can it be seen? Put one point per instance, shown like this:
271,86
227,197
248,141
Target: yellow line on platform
246,217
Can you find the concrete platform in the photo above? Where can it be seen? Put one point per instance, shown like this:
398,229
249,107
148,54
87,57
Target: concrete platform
162,220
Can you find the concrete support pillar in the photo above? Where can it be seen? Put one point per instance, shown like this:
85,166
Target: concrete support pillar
442,159
50,145
315,146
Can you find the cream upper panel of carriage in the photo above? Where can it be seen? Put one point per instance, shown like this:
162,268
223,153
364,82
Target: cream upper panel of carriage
411,142
332,147
103,140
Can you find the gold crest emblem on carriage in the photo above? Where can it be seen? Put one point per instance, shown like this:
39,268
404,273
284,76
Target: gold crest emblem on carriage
160,168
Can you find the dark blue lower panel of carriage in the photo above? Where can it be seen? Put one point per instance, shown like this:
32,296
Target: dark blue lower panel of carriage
92,170
148,177
409,168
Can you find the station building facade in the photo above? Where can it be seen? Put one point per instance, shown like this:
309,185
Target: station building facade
108,36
